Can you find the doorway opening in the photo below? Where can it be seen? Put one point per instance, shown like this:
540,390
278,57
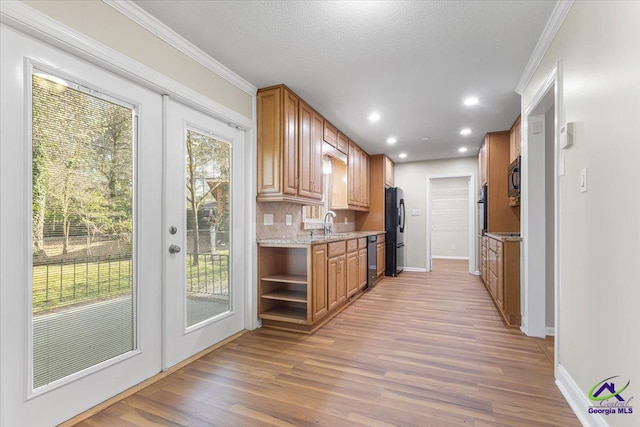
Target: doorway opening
450,224
541,170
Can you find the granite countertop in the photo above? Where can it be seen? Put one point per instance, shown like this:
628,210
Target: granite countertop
307,239
505,237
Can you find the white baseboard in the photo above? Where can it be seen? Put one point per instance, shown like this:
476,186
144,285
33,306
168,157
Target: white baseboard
477,273
551,331
415,269
450,257
577,400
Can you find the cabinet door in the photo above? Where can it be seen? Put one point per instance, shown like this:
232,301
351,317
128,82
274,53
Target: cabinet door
330,134
352,176
319,282
388,172
306,151
380,252
482,163
352,273
341,283
315,167
362,268
500,276
343,143
364,174
332,283
517,141
290,141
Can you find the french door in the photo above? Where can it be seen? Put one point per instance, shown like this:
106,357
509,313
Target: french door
204,296
120,255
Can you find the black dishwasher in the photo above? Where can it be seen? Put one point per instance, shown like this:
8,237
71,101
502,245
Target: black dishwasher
372,260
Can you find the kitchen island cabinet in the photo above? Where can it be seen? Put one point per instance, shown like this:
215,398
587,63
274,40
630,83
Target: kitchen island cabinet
302,283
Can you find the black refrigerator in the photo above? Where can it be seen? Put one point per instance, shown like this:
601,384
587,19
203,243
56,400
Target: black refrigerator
394,223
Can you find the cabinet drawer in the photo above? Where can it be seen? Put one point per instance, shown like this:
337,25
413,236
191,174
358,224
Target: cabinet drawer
362,243
352,245
336,248
381,238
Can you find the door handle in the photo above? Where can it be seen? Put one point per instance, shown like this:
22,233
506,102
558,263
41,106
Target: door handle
174,249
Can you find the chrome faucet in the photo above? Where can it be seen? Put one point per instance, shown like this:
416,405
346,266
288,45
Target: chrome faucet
328,222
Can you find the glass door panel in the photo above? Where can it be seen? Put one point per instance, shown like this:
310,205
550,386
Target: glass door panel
208,166
82,229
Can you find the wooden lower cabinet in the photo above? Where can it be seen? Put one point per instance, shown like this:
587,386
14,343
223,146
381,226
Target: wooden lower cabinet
353,261
319,304
380,255
336,281
500,272
301,287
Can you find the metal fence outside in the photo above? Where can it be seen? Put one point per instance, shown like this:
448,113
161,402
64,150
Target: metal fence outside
63,282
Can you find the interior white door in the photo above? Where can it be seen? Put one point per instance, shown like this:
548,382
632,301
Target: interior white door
106,311
204,188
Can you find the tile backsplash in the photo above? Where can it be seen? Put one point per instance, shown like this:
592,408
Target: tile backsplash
279,229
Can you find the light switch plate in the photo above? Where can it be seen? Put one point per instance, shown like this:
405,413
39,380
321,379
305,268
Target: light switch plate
536,128
583,180
415,212
268,219
288,219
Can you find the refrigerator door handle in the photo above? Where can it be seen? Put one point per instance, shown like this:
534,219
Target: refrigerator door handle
403,216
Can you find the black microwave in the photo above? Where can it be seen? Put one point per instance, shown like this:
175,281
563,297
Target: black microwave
513,179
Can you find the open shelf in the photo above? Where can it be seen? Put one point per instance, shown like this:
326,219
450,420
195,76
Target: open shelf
286,314
286,295
286,278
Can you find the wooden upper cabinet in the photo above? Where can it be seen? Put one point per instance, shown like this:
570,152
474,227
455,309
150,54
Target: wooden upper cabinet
515,140
289,148
310,160
358,178
482,164
388,172
330,134
343,143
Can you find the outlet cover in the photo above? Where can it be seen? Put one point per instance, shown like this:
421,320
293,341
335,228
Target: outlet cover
288,219
268,219
415,212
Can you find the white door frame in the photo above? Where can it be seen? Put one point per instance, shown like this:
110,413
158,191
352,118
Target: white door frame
472,220
533,209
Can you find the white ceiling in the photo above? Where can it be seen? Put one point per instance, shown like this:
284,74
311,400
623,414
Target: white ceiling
412,61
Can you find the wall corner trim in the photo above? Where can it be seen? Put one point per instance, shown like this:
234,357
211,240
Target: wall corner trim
577,400
162,31
556,19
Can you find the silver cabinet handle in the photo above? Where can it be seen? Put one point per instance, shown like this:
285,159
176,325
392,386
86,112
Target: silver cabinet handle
174,249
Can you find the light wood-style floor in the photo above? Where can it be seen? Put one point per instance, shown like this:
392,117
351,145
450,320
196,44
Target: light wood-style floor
422,349
443,264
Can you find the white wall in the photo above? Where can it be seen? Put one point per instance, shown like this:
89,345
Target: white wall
598,46
412,178
450,217
108,26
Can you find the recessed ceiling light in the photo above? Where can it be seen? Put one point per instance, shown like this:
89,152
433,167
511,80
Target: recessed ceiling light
472,100
465,131
462,150
374,117
426,138
403,155
391,140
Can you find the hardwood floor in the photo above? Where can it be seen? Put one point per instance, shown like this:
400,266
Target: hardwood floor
450,265
422,349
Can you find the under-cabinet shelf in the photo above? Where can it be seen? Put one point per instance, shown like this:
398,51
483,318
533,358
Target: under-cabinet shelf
286,314
286,278
286,295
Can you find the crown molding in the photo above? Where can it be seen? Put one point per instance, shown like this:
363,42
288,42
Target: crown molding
556,19
18,15
162,31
